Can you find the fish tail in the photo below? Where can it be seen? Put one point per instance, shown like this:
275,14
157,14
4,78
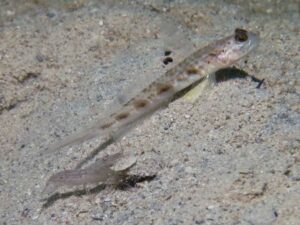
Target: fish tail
81,136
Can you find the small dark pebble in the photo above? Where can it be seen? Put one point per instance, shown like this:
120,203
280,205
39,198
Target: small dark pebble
40,58
50,14
25,212
99,98
97,218
287,172
167,60
93,48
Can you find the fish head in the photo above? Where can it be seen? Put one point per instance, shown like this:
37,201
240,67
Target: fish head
236,46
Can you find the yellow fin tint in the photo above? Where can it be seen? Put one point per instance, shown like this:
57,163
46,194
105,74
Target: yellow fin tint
193,94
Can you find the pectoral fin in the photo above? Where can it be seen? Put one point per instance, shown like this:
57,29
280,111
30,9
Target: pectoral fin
203,86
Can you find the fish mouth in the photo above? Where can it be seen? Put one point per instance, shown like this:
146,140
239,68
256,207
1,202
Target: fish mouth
246,40
253,39
246,43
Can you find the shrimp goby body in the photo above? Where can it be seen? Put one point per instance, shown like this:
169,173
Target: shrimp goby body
108,170
202,64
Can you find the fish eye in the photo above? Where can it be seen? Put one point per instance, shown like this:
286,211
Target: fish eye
240,35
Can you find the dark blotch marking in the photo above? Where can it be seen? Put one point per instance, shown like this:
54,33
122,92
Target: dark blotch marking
240,35
107,125
162,88
192,70
168,52
167,60
140,103
122,115
212,54
215,53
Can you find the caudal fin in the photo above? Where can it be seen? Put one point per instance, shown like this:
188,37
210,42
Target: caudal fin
77,138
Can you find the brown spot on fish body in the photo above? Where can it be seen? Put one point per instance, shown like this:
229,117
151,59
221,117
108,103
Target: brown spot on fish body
122,115
215,53
181,77
107,125
192,70
162,88
212,54
140,103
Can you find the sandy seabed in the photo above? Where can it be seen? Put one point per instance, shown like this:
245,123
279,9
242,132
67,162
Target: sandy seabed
232,157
